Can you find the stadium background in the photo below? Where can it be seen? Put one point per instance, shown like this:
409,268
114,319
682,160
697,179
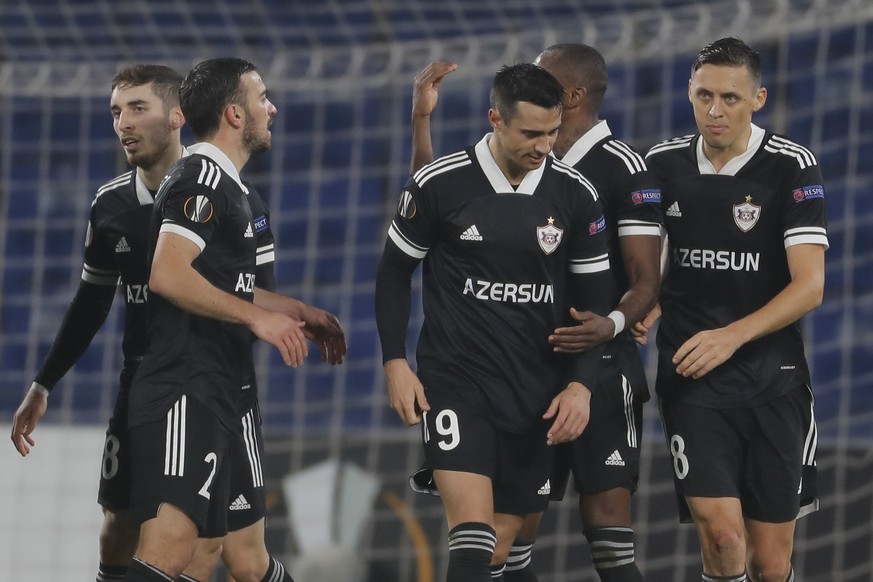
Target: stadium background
340,73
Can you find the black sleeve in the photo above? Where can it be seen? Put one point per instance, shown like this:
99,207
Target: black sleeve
393,300
590,292
85,314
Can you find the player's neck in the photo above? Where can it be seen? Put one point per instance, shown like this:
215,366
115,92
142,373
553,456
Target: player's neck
514,173
154,175
720,156
231,145
572,129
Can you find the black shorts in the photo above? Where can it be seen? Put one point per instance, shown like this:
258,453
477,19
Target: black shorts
183,460
607,454
764,455
459,438
247,502
114,491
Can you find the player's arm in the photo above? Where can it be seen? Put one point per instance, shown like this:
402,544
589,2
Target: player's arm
393,300
320,326
640,256
174,278
640,330
590,289
425,93
570,409
708,349
84,316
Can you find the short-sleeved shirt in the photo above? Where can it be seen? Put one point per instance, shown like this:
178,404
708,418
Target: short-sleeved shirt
496,266
631,200
203,200
728,233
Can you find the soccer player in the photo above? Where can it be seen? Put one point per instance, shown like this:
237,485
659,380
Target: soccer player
184,413
605,458
509,236
147,118
745,220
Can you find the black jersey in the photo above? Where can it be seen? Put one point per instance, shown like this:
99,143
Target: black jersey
727,235
203,200
116,255
496,266
115,250
631,200
116,245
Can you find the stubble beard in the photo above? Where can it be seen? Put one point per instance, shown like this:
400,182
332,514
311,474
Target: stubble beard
255,141
148,159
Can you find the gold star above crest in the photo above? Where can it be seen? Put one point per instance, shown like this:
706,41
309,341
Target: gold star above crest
551,220
748,198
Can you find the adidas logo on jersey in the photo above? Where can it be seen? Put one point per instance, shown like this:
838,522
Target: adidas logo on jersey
471,233
122,246
240,503
249,233
615,459
545,489
674,210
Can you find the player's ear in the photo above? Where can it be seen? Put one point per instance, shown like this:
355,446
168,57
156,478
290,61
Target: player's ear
575,97
495,119
233,114
177,118
760,98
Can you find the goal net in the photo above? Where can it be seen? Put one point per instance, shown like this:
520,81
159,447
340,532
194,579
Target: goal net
340,73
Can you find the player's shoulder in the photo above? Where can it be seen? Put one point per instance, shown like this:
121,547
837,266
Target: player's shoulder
442,167
621,156
782,149
564,171
258,205
193,174
672,146
117,186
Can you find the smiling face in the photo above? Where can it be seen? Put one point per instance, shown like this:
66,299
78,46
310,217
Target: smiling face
259,114
724,99
522,142
143,126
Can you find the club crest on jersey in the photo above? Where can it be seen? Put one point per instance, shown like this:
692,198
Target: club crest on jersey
746,215
406,208
549,236
198,209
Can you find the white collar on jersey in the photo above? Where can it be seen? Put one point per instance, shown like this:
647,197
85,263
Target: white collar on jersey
731,168
143,195
495,174
584,144
220,158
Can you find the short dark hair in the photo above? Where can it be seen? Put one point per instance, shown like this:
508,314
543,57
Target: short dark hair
731,52
208,88
164,80
524,82
584,65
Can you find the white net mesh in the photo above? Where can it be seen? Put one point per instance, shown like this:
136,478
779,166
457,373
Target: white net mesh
340,73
